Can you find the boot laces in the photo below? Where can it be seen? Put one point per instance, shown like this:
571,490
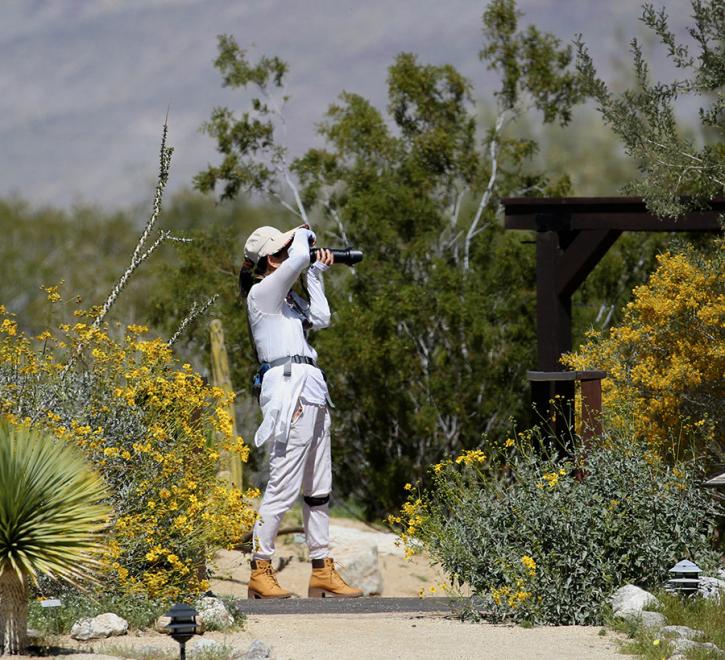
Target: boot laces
334,574
272,574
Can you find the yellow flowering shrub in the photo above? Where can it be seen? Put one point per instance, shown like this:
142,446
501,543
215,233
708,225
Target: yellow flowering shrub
666,361
154,430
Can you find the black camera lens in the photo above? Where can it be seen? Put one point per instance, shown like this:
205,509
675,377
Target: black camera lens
347,256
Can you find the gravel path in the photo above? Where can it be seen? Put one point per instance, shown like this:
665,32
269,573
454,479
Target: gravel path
376,637
410,637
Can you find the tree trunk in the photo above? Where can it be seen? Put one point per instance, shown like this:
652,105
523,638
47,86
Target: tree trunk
13,613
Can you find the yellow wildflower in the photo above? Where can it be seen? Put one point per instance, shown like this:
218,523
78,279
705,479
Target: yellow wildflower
471,456
551,478
529,564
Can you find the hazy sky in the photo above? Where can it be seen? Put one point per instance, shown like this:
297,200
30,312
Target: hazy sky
85,84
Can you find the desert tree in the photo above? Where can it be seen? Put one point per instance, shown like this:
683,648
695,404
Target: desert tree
676,173
433,332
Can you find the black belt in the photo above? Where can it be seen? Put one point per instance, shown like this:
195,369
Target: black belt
283,361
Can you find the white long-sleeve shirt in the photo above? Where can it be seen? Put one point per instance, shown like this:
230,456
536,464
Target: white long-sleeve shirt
277,329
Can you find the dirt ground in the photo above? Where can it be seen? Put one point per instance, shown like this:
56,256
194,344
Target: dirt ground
377,637
361,636
401,577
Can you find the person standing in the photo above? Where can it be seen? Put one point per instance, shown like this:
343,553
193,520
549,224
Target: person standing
294,400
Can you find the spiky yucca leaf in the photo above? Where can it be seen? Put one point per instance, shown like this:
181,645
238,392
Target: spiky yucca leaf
51,507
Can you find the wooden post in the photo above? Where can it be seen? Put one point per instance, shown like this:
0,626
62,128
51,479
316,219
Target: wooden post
546,385
230,466
591,389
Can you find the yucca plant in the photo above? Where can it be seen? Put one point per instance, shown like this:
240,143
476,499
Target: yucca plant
51,516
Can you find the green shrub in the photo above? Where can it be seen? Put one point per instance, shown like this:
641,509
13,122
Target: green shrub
138,609
536,542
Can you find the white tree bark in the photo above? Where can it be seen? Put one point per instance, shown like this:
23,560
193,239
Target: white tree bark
501,121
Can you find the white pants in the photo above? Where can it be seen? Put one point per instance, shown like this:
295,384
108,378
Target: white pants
304,462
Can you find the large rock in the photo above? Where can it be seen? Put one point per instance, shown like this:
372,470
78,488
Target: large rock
359,567
682,645
213,613
652,620
346,537
629,600
681,632
99,627
711,588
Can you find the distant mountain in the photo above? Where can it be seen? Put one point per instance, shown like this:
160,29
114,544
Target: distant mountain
86,83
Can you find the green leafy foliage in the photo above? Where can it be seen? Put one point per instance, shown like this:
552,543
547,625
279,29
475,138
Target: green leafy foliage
529,62
253,133
138,609
671,163
433,331
547,539
51,507
86,248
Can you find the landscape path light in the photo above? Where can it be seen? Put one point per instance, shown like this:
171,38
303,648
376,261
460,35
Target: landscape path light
685,578
183,626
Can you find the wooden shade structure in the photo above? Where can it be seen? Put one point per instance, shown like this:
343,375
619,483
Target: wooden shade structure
572,236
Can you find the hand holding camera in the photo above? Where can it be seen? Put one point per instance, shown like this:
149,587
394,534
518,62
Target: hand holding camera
328,256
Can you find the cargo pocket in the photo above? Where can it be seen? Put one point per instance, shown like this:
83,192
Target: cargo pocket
296,414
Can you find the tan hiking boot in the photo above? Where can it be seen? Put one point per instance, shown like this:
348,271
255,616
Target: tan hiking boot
263,581
325,581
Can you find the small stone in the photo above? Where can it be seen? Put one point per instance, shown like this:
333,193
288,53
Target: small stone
213,613
682,632
630,599
258,650
148,650
681,645
201,646
710,647
99,627
161,623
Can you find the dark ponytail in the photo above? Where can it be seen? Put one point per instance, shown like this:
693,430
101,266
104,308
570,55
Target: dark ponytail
250,274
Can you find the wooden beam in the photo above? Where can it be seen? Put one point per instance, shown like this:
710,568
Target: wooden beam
620,213
581,256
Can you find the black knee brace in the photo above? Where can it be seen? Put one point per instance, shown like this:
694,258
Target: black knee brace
316,501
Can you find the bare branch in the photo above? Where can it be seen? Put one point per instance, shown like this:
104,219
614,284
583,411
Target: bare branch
279,159
283,202
194,313
138,256
338,220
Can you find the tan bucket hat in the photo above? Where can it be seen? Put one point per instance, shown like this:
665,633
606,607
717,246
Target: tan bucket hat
265,241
